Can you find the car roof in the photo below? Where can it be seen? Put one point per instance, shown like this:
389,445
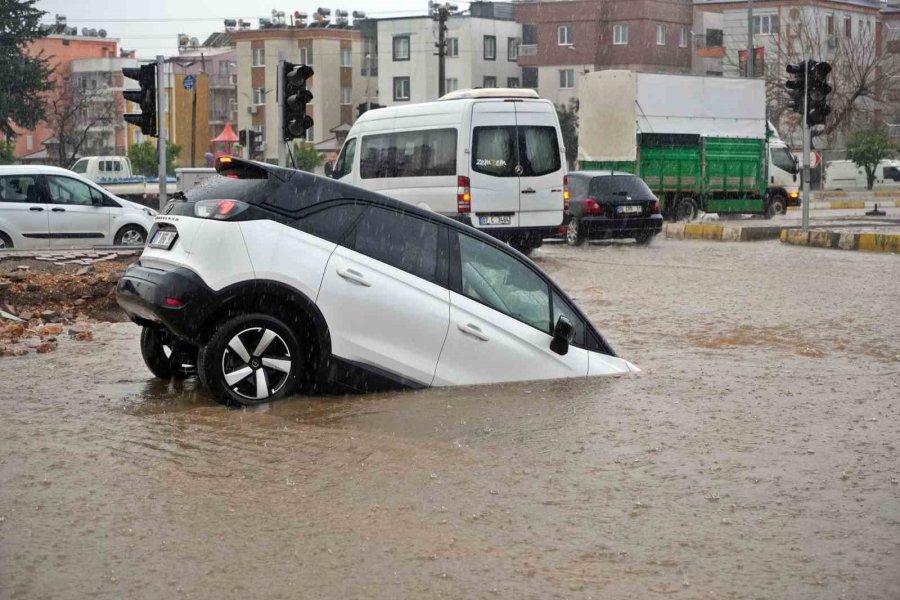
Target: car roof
592,174
25,169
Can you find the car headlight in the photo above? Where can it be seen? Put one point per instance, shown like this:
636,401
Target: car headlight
150,212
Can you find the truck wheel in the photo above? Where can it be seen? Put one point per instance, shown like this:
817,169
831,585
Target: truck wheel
574,237
777,206
166,357
131,235
686,210
252,359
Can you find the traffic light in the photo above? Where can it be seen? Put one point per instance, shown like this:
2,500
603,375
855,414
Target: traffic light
242,137
295,97
254,141
818,109
145,75
796,87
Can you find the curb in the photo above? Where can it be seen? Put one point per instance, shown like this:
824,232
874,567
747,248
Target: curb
864,242
824,196
845,204
719,233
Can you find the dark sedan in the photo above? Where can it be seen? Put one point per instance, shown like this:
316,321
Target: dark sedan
610,205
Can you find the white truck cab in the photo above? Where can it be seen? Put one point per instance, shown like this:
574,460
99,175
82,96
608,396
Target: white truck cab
784,179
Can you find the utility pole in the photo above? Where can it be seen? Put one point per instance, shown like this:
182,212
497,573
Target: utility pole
163,131
440,13
279,104
368,74
750,53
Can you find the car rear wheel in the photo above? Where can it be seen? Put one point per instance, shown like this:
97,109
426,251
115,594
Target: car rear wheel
131,235
574,237
252,359
644,237
5,242
166,357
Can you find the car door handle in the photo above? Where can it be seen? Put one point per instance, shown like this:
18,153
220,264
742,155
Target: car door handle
58,209
36,209
529,191
354,276
473,330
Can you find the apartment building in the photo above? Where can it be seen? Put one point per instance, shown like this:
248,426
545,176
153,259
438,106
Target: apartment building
482,50
335,55
563,40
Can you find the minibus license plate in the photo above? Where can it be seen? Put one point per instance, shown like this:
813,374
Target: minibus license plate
495,220
628,209
163,238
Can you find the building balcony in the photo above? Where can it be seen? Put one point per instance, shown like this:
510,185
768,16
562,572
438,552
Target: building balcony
528,50
223,81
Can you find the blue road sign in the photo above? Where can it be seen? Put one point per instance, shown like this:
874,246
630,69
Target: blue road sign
188,82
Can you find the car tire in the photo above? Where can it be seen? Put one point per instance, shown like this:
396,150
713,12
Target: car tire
777,206
166,357
131,235
686,210
5,242
574,237
644,238
231,366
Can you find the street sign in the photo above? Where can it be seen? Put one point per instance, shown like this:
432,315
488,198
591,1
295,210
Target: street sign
815,159
189,82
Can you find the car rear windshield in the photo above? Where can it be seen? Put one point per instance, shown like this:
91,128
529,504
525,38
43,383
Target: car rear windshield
217,187
498,150
620,185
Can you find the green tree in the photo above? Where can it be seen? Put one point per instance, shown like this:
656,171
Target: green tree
145,162
306,157
7,149
867,148
25,79
568,124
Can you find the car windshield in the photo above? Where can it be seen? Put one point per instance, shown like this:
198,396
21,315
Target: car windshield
626,186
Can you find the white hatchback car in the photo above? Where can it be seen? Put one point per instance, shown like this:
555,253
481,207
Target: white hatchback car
271,280
47,207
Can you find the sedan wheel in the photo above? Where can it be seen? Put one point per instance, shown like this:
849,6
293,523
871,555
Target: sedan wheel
574,237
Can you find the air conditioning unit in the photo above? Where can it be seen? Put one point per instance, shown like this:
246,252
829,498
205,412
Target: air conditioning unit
251,110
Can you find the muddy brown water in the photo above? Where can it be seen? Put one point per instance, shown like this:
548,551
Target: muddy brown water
755,457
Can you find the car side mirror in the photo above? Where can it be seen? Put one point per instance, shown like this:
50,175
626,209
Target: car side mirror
563,334
329,169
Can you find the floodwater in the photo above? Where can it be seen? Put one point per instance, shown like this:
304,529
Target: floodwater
755,457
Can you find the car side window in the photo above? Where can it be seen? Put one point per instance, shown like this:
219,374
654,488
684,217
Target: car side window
401,240
502,282
344,164
332,220
20,188
65,190
562,308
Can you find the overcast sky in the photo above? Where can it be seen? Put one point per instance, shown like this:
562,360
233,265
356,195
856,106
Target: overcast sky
151,26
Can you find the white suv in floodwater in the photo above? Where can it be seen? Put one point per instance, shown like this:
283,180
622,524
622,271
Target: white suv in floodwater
271,280
47,207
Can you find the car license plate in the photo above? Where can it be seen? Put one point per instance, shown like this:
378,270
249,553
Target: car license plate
163,239
495,220
625,210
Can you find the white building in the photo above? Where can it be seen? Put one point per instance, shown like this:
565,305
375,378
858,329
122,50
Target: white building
481,52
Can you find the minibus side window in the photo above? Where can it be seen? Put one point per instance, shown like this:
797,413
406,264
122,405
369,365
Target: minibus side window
422,153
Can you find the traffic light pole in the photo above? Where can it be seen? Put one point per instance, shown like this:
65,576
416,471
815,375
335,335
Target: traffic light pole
807,142
442,50
163,132
279,109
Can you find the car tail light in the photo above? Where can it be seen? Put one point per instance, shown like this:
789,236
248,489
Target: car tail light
221,210
463,194
592,208
174,302
565,193
654,208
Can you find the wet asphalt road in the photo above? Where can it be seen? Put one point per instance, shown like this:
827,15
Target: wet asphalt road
755,457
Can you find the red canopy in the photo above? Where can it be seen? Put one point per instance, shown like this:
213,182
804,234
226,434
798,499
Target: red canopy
228,135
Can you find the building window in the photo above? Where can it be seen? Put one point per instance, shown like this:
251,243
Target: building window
529,33
401,87
565,35
660,35
829,24
401,47
530,77
259,95
259,57
452,47
451,85
765,24
512,82
29,142
566,79
848,26
620,35
683,38
490,82
512,49
346,57
345,95
490,47
306,55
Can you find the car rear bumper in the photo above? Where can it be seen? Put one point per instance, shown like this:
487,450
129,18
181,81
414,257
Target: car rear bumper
143,292
624,227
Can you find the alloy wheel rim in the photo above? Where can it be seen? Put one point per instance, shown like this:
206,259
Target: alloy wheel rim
256,363
132,237
572,232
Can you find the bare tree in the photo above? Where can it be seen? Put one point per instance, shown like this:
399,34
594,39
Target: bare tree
74,112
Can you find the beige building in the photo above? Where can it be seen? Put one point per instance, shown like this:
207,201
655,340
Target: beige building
335,55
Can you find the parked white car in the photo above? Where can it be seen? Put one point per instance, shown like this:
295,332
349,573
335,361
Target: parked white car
271,280
48,207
